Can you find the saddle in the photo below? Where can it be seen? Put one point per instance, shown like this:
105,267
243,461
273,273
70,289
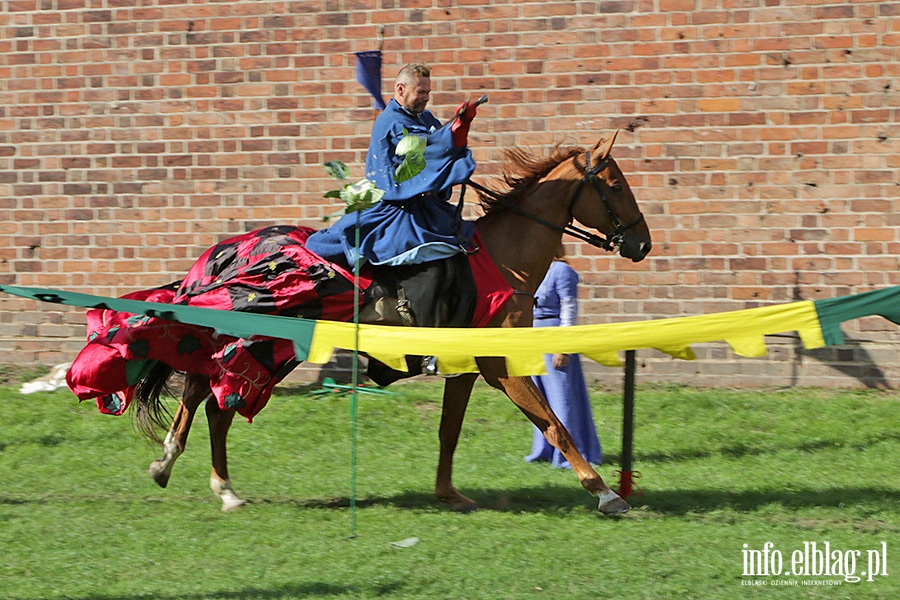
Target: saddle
439,293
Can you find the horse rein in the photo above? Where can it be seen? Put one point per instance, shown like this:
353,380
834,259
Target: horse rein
608,243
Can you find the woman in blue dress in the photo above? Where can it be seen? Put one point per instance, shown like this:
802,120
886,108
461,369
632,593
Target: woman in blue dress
563,385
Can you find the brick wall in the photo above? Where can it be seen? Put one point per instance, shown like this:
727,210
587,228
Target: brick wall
759,136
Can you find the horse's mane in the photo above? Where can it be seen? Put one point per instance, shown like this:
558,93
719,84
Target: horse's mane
520,170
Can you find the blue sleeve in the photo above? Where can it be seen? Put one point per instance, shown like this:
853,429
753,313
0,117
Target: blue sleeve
445,165
567,289
567,282
381,162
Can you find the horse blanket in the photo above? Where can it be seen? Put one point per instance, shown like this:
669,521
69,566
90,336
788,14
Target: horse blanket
268,271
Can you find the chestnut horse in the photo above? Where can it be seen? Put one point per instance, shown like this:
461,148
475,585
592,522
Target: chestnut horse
520,230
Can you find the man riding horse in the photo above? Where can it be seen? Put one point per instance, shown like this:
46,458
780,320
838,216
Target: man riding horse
414,242
412,232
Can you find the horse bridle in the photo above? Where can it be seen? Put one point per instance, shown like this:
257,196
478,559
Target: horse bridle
609,243
591,176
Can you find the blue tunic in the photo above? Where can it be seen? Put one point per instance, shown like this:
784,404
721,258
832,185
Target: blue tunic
565,389
413,223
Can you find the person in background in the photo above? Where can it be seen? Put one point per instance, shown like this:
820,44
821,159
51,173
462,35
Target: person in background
564,387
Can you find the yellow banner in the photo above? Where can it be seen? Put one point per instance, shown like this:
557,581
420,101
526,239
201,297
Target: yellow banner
524,348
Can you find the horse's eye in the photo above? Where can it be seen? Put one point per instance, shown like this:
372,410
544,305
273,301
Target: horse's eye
616,187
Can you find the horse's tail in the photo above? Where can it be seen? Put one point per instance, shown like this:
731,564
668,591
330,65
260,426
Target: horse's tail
151,414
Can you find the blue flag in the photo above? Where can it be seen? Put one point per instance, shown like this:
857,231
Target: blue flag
368,74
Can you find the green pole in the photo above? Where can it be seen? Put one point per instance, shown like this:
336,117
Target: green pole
354,386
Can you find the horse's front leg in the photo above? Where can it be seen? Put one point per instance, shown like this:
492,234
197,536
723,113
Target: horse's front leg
525,395
196,389
457,391
219,423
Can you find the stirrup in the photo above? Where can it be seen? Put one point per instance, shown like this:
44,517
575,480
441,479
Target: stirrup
429,365
403,308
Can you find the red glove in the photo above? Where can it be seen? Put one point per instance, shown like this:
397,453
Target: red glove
460,126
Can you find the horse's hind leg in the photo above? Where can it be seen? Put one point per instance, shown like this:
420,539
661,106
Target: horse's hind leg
196,389
525,395
457,391
219,423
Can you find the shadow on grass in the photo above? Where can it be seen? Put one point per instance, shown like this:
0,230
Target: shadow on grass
310,590
682,502
552,500
21,501
743,450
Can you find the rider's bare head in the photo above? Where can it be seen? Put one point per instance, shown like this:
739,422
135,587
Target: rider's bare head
413,86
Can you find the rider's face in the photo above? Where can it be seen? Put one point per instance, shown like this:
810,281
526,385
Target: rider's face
413,96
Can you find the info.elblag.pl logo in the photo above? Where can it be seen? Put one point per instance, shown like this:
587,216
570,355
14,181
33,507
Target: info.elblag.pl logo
824,563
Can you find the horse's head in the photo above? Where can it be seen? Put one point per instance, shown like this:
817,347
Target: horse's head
603,201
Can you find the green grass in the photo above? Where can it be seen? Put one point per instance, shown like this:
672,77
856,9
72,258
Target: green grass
81,519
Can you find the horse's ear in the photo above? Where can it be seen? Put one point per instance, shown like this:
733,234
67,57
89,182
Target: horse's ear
604,147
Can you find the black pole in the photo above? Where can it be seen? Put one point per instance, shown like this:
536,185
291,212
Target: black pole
628,420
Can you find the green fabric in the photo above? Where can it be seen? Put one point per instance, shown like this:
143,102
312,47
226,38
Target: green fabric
834,311
226,322
136,370
743,330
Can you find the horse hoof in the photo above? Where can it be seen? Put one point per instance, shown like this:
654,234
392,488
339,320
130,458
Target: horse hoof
612,504
458,502
231,504
159,473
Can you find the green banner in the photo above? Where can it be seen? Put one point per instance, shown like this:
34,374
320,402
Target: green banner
816,322
227,322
